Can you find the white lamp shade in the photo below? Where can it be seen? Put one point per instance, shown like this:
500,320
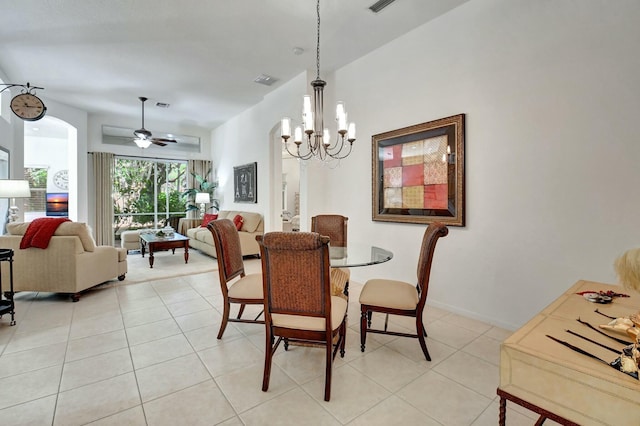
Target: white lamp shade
203,197
142,143
14,188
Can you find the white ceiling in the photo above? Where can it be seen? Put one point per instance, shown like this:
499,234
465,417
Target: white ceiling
200,56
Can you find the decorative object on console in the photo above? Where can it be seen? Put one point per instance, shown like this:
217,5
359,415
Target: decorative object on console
245,183
204,186
202,198
418,173
13,189
318,139
143,137
628,269
26,105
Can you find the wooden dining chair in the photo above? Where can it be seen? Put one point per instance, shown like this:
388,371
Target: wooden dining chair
298,305
335,227
247,290
399,297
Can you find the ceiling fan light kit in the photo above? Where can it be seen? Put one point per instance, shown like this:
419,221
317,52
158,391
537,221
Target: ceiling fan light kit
143,137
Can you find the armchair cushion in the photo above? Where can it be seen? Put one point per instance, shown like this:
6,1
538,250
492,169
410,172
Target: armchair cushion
208,217
67,229
238,221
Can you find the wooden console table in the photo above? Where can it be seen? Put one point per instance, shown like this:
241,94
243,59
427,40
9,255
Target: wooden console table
560,384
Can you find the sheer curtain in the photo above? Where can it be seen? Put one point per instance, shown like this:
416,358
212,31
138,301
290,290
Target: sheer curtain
103,165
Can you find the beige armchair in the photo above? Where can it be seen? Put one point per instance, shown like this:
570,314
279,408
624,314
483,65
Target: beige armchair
70,264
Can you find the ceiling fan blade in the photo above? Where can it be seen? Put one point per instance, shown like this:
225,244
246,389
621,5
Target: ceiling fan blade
157,142
165,140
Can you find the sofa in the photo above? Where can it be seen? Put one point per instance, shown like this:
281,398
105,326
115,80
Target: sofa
201,239
70,264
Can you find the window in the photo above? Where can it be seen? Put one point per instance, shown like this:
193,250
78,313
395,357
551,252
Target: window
147,193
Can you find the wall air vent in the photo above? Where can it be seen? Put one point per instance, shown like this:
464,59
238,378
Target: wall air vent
379,5
267,80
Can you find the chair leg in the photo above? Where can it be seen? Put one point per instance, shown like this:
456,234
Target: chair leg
241,310
327,373
369,318
268,354
344,338
421,334
363,328
225,319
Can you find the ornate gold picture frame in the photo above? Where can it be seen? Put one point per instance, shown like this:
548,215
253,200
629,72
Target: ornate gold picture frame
418,173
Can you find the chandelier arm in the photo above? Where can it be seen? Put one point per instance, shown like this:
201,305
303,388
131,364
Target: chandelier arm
336,156
298,155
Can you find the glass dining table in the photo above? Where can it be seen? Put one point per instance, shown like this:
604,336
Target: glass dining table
356,254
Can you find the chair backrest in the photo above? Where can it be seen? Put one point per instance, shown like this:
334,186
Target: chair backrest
228,250
332,225
295,271
434,231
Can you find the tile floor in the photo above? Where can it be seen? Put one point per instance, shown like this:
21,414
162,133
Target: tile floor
147,354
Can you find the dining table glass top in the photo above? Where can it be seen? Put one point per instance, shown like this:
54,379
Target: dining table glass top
356,254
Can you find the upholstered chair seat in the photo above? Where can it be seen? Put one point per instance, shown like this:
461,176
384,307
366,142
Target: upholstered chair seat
390,293
297,322
248,287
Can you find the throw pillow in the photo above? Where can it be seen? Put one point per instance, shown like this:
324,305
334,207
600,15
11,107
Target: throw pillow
238,221
208,218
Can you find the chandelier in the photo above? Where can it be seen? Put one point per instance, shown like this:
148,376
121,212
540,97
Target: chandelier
317,137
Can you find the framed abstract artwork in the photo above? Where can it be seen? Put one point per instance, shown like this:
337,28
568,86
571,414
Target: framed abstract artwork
418,173
245,181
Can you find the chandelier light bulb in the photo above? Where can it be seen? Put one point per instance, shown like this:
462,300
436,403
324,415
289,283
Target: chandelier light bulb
351,134
298,135
285,128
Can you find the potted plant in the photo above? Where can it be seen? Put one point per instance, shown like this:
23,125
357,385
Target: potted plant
203,185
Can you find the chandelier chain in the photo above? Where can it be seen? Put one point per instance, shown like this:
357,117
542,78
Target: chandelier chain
318,43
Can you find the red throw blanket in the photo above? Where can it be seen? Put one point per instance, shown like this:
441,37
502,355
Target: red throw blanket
40,231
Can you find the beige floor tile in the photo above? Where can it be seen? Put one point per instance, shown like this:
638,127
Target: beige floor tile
469,323
206,337
202,404
161,350
95,345
128,305
36,412
472,372
393,411
96,401
145,316
199,319
450,334
230,356
41,318
288,408
431,313
34,339
388,368
32,359
489,417
498,333
96,325
443,399
189,306
26,387
301,363
243,388
352,393
170,376
234,421
131,417
485,348
152,331
182,295
411,349
170,285
135,292
95,369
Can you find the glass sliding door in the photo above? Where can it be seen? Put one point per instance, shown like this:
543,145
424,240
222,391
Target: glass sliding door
147,193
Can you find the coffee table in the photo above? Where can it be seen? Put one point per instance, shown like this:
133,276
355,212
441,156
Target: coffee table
154,243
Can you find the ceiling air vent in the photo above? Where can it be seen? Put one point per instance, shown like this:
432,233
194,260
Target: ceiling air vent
162,105
267,80
379,5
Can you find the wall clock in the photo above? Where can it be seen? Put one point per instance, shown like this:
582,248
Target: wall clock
28,107
61,179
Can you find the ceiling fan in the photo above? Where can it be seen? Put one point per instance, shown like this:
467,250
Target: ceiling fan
144,137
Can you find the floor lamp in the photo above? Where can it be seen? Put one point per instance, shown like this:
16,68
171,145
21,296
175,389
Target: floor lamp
202,198
14,189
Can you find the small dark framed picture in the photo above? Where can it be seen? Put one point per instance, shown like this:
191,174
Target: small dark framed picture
245,179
